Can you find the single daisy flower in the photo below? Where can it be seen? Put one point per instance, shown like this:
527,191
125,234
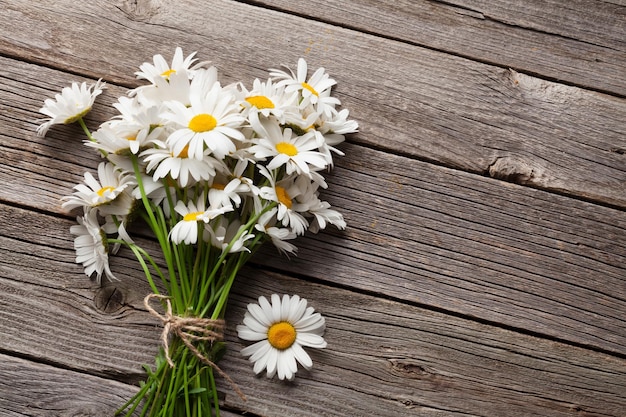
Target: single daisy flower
221,194
285,193
314,90
222,234
281,330
176,87
320,210
71,105
266,98
122,138
159,68
212,119
92,250
331,131
278,235
297,153
186,230
107,193
162,161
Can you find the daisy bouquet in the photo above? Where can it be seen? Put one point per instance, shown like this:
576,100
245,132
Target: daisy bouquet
214,171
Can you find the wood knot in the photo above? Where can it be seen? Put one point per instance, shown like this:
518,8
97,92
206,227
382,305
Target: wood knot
109,298
515,170
139,10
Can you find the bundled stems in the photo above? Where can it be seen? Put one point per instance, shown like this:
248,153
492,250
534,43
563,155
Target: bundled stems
198,282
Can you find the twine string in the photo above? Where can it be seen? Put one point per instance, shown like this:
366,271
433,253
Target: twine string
189,330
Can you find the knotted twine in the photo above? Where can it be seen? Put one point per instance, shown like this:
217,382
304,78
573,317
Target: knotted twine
188,330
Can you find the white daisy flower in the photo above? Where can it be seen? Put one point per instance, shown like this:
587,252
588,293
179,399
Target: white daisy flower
315,90
298,153
72,104
266,98
222,194
107,193
186,230
278,235
222,233
165,162
160,69
175,88
122,138
331,131
212,119
280,330
91,246
320,210
284,192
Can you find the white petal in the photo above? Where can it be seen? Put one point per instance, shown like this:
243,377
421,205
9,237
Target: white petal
276,310
303,358
247,334
311,340
259,315
254,325
272,362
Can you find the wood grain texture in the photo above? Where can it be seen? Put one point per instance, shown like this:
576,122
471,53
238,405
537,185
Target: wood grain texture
438,236
384,358
579,42
26,391
409,100
469,282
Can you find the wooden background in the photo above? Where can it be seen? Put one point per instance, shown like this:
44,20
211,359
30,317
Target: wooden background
483,269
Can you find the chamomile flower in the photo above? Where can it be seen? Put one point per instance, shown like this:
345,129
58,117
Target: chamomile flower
122,138
297,153
162,161
266,98
91,246
231,236
107,193
331,131
285,192
175,88
186,230
212,119
71,105
281,330
320,210
315,90
278,235
222,194
160,69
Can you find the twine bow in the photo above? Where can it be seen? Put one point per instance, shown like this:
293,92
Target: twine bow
188,330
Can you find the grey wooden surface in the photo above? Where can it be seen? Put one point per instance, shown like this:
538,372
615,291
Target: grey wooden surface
483,268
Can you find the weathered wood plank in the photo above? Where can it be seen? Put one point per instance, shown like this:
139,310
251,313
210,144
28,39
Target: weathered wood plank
38,390
541,262
384,358
34,389
576,42
408,100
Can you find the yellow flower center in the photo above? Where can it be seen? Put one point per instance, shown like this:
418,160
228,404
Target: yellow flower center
281,335
287,148
307,86
103,190
218,186
192,217
202,123
131,138
260,102
167,73
283,197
